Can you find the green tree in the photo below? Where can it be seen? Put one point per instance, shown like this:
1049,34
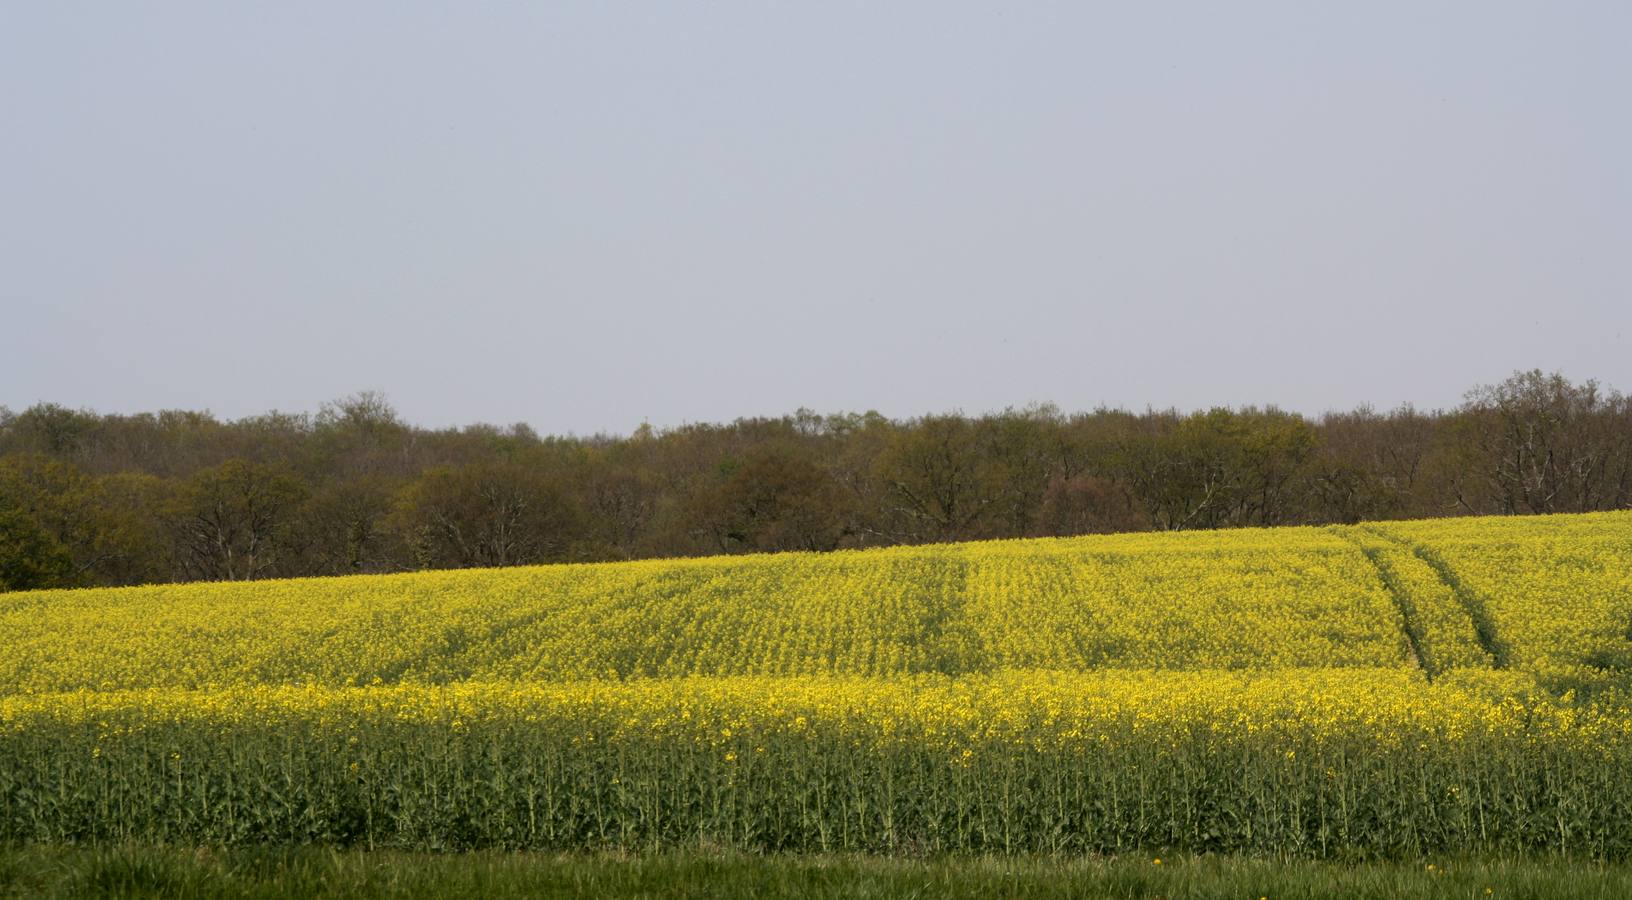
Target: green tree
1219,468
938,479
106,524
30,558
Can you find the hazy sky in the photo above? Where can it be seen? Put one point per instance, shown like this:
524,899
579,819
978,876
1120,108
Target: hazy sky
586,216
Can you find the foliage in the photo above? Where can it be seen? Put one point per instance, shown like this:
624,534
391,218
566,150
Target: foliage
29,557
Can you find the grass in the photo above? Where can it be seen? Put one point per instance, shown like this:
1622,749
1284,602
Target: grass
61,871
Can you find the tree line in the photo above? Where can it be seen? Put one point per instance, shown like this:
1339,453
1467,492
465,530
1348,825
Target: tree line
89,499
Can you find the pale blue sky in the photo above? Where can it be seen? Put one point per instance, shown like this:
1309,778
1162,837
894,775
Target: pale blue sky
583,216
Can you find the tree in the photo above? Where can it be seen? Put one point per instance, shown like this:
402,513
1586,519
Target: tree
1373,466
1218,468
49,429
621,498
30,559
1025,451
129,544
938,479
360,436
54,497
1088,504
105,524
1276,449
1537,443
230,522
486,514
776,499
1184,471
341,528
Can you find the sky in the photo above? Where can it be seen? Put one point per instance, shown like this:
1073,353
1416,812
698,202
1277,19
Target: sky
588,216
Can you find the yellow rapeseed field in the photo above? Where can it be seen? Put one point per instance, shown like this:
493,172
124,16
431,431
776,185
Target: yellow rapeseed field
1390,689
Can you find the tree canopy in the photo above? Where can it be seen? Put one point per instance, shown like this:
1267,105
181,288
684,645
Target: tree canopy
89,499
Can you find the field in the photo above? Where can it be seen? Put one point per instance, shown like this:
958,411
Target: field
1380,691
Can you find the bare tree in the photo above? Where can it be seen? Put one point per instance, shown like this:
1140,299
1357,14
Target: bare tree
486,514
230,521
1537,443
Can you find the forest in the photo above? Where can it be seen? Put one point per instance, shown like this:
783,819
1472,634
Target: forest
90,499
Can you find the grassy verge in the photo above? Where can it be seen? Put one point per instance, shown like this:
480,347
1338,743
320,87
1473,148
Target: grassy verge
52,871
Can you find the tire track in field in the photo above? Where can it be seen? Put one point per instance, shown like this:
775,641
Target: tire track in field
1409,622
1484,625
948,639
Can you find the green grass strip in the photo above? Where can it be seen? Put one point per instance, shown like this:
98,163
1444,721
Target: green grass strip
53,871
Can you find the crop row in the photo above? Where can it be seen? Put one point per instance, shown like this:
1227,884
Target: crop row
1295,762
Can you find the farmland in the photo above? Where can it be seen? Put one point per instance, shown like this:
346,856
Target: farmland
1393,690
